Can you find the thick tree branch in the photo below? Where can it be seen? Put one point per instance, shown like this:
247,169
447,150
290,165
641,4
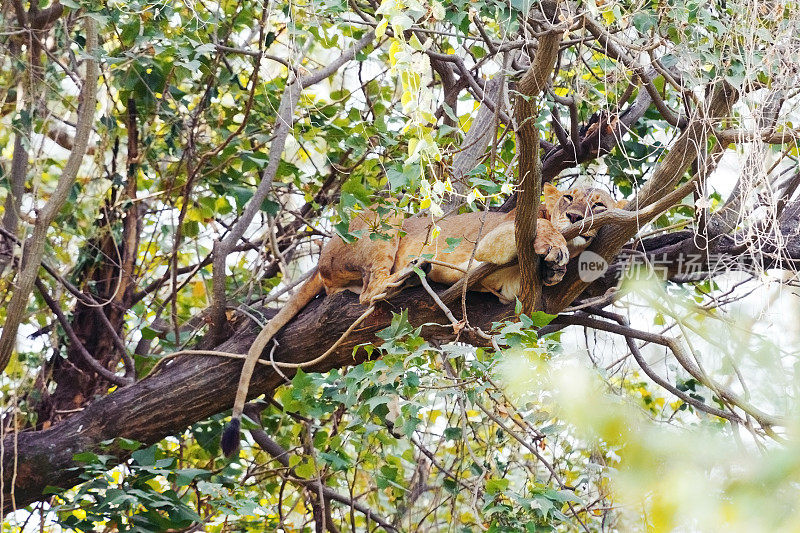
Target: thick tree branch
192,388
679,256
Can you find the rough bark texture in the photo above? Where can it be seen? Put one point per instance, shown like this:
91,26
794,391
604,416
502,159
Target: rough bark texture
671,253
529,183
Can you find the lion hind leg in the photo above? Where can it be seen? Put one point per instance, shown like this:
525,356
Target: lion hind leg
376,274
376,282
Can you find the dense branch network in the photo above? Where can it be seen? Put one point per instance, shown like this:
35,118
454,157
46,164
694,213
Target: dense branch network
207,383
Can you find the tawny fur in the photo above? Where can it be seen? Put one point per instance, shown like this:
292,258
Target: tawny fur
368,265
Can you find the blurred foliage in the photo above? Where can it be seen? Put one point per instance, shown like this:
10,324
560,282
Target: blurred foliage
525,437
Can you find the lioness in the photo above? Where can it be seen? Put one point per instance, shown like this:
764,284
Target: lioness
368,266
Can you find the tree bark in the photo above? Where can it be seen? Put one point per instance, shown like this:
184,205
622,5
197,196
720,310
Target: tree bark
529,181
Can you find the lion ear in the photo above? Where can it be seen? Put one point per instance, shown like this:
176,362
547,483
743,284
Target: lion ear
551,196
549,189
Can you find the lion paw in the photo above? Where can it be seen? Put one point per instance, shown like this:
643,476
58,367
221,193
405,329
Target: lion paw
552,248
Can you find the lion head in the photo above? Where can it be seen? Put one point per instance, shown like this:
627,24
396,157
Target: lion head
574,205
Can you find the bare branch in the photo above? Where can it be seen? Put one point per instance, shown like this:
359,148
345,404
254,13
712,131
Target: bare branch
624,329
477,139
283,126
34,247
615,50
76,342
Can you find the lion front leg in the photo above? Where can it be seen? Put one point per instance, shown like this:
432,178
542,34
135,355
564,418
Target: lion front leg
499,246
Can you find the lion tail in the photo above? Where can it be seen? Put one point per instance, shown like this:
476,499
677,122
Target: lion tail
230,436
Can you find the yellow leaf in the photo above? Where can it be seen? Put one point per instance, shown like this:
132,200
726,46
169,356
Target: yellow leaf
198,289
412,146
194,215
394,49
380,30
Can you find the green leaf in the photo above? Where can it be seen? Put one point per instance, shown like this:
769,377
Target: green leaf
453,433
452,244
86,457
145,457
191,228
184,476
127,444
305,469
148,333
50,489
495,485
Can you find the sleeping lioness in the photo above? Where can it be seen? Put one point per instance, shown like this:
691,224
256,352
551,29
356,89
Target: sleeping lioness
369,266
